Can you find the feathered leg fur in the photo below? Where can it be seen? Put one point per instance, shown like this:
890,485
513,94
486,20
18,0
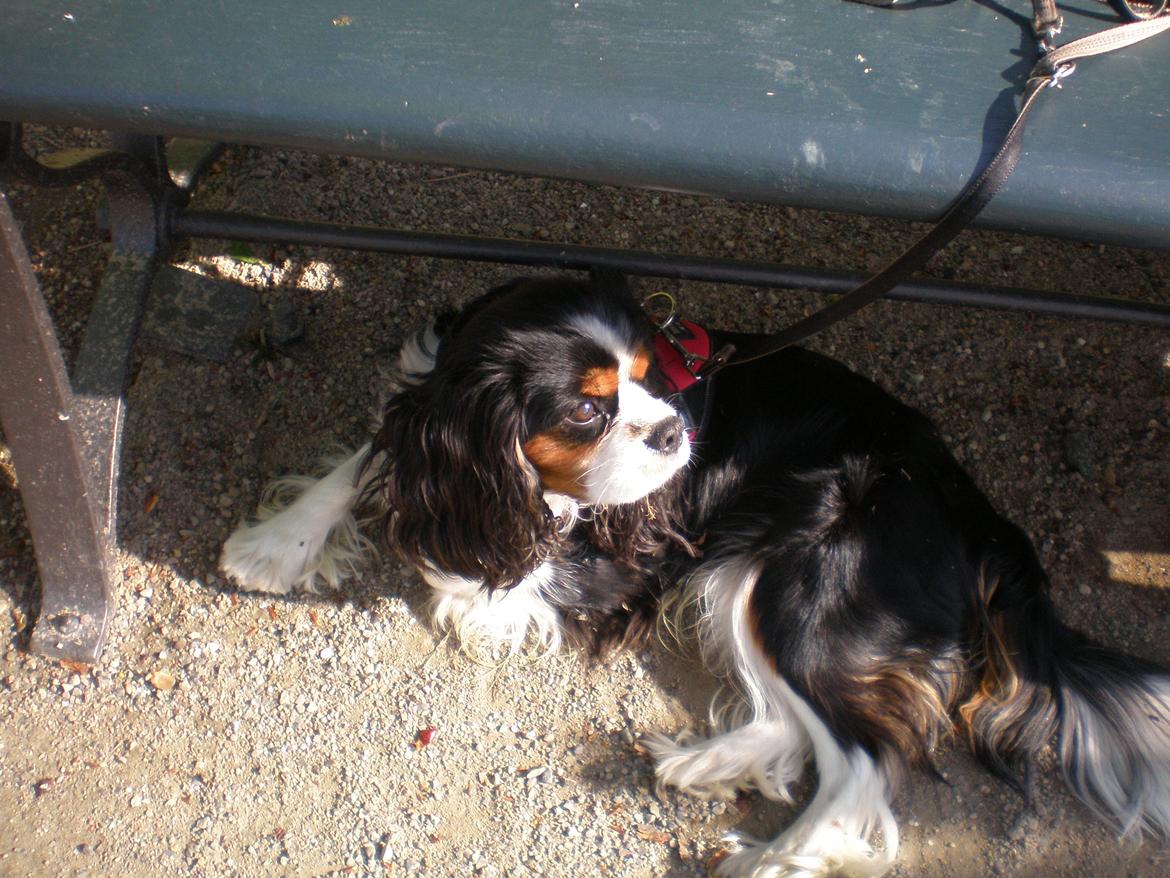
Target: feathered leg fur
305,533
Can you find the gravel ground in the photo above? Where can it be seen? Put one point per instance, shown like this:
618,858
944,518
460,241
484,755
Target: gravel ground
231,734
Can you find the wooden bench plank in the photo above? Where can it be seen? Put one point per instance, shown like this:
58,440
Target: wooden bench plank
822,104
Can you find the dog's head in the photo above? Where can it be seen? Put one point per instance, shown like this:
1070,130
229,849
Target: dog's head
540,387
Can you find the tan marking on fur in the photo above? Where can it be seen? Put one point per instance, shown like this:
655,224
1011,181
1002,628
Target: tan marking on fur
640,366
899,702
600,382
906,702
561,464
1000,683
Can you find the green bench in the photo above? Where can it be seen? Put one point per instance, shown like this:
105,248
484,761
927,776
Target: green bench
805,103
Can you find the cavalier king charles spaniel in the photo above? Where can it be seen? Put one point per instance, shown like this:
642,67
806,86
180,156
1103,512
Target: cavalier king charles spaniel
543,467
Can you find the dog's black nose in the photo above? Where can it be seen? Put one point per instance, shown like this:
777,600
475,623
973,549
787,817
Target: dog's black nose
666,435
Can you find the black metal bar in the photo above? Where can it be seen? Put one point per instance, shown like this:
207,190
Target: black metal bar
66,167
243,227
49,451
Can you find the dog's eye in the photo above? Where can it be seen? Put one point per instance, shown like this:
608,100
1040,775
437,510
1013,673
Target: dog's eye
586,412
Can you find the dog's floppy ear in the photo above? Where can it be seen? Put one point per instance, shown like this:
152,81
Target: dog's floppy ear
460,495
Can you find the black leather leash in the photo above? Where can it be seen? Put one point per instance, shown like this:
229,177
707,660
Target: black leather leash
1053,67
1046,21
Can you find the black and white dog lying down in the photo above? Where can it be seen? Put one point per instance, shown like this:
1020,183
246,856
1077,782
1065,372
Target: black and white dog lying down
538,468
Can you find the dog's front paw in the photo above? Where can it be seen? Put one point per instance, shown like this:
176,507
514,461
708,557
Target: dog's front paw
271,558
495,623
305,531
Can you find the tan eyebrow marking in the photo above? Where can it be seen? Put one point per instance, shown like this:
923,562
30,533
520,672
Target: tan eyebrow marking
600,382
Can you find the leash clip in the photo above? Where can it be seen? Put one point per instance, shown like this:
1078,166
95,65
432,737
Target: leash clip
1047,23
674,331
669,328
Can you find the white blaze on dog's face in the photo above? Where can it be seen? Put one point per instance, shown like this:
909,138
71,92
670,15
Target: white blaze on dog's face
617,442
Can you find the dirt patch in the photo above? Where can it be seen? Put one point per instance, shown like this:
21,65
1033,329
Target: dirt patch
228,734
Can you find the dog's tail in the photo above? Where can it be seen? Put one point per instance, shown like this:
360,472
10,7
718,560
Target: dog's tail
1114,740
1108,713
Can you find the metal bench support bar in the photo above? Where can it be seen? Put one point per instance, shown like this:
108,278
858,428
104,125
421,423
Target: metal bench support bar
241,227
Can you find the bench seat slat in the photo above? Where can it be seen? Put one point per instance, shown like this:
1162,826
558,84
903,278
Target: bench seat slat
811,103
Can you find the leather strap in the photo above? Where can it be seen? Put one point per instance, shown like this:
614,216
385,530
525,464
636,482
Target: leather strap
1137,10
1046,21
1050,71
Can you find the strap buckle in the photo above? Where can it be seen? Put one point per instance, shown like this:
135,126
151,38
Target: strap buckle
1061,72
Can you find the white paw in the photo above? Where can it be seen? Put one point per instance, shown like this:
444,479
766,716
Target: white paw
305,531
271,557
691,768
765,756
831,855
748,858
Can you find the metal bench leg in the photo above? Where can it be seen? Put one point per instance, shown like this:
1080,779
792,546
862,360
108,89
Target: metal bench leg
49,451
103,362
66,437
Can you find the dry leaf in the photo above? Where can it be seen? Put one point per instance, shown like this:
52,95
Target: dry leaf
424,737
649,833
163,680
716,858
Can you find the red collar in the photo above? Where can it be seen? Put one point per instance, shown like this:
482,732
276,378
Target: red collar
679,369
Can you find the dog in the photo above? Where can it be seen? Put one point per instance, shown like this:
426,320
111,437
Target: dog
542,466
